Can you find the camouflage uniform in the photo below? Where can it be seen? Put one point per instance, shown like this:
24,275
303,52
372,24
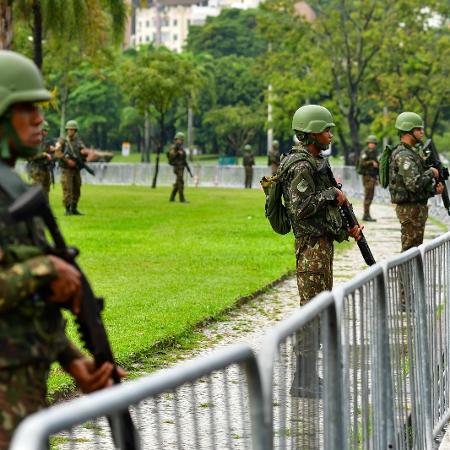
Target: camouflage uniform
32,330
248,162
70,177
310,200
410,186
177,159
274,159
369,177
39,166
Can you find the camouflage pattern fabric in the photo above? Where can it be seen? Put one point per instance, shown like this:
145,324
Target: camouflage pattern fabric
274,159
248,177
39,167
412,217
410,179
67,148
177,159
22,392
178,186
369,183
71,186
366,160
41,176
314,257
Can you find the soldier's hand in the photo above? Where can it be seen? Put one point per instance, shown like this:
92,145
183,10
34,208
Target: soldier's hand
375,164
66,288
435,172
356,231
71,163
340,198
89,378
48,156
439,188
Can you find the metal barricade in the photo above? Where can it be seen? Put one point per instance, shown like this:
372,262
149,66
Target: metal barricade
408,351
301,378
436,260
213,402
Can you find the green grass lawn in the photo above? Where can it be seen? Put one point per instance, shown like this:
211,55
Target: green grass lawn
164,267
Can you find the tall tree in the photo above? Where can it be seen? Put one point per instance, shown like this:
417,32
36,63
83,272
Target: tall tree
5,24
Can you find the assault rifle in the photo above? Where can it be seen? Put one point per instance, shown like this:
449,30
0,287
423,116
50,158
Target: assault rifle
188,169
81,164
433,159
348,215
34,204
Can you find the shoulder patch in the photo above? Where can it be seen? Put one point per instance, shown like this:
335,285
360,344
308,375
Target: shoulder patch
302,186
406,165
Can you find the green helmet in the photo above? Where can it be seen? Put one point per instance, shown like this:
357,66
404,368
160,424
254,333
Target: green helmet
407,121
45,126
73,124
312,119
179,135
275,144
372,139
20,81
247,147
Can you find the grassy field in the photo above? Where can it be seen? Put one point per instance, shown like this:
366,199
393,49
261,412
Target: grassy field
164,267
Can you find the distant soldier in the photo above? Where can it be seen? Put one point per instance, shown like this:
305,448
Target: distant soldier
249,162
177,159
411,180
70,151
274,156
368,168
40,166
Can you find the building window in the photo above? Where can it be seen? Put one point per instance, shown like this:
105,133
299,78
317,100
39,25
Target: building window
175,37
175,22
147,23
147,38
140,38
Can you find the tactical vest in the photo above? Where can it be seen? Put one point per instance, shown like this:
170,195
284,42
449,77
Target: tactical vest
32,329
71,148
327,221
369,169
399,192
175,159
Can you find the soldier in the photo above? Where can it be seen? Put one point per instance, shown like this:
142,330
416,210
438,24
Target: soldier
368,168
40,167
32,284
411,180
274,156
69,151
177,159
249,162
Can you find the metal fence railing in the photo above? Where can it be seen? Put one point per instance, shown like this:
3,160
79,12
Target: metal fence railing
363,367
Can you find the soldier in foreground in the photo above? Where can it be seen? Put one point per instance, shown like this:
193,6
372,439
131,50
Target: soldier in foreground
368,168
248,162
411,181
32,284
40,166
71,153
274,156
177,159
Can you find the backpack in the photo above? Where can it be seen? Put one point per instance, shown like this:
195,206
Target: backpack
384,166
275,210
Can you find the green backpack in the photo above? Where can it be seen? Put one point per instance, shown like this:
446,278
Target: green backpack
276,212
384,166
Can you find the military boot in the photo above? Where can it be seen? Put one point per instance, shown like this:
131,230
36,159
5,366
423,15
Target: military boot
75,211
173,194
368,218
182,199
68,211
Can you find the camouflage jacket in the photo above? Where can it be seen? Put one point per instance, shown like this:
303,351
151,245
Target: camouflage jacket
41,161
69,149
177,156
366,160
273,157
31,329
309,196
410,179
248,160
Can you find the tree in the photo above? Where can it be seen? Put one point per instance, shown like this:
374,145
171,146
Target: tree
5,24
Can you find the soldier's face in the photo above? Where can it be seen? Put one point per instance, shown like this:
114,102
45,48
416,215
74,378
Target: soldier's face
26,121
325,137
418,133
372,145
179,141
71,132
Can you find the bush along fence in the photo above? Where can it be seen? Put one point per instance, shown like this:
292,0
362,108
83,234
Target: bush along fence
365,366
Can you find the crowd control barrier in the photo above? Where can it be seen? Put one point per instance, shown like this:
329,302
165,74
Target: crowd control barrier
365,366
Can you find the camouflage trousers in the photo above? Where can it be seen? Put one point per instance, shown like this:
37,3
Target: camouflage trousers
248,176
42,177
314,256
23,391
412,217
71,186
178,186
369,183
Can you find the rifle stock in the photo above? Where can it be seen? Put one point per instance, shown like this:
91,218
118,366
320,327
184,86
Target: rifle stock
34,204
188,169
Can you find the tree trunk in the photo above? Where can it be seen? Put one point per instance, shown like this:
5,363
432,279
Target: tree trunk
37,33
6,22
162,141
145,155
65,96
353,125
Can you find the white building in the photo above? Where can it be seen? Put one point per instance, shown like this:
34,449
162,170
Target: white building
175,16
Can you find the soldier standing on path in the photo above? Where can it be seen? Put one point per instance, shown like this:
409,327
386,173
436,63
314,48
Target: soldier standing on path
368,163
177,159
274,156
32,284
411,180
69,151
40,166
248,162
